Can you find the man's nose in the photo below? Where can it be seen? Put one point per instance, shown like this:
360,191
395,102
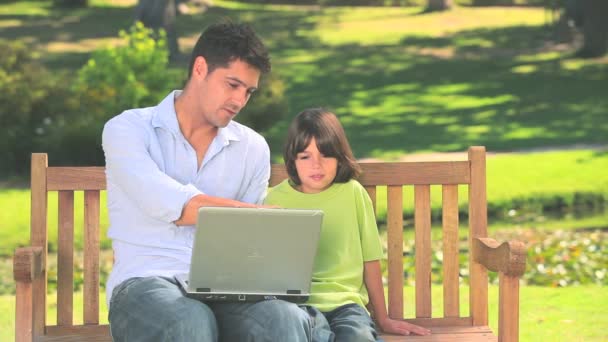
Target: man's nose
240,98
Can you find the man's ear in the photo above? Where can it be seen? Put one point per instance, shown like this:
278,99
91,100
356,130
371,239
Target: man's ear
199,69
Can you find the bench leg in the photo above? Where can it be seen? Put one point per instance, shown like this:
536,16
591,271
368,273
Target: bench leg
24,312
508,306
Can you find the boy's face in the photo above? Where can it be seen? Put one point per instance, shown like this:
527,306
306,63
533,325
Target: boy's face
224,91
316,171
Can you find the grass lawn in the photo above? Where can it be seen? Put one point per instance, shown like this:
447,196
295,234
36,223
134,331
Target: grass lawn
546,314
509,176
400,80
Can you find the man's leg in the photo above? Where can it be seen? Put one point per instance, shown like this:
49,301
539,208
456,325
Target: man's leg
270,320
155,309
352,323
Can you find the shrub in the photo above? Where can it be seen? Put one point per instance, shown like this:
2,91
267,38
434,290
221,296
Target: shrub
555,258
267,106
32,101
113,80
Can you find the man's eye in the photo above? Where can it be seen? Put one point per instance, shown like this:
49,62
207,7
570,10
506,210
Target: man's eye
233,85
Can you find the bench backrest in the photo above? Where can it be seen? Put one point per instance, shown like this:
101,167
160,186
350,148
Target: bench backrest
395,176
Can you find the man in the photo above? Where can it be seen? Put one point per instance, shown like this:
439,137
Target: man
165,162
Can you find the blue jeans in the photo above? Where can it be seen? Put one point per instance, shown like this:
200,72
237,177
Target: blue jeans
155,309
347,323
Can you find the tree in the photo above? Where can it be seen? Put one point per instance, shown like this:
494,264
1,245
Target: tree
595,28
438,5
160,14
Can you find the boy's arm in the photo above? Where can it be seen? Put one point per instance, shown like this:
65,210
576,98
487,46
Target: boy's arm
372,276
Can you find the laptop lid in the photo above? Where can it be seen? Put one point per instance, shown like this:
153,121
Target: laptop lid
254,253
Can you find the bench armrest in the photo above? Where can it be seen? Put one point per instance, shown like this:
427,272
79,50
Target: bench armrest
508,257
27,264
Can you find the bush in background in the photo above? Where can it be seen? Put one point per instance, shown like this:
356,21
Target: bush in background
32,102
267,106
113,80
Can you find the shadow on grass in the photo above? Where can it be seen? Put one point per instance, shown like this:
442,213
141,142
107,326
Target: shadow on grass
448,93
504,88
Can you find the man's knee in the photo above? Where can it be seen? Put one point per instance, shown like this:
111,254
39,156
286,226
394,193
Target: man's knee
195,322
153,309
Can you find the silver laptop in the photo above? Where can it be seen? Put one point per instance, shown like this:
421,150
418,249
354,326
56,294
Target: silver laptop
249,254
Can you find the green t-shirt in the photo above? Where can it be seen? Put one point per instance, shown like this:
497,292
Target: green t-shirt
349,237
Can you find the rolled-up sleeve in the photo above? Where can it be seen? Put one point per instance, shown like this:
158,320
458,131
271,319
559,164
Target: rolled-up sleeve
131,168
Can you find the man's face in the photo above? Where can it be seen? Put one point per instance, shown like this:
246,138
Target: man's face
225,91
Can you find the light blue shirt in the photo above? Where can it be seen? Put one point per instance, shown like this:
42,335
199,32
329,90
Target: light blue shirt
152,172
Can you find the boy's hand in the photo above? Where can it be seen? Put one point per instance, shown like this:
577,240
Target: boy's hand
398,327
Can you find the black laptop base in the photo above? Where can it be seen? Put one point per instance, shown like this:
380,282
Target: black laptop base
219,297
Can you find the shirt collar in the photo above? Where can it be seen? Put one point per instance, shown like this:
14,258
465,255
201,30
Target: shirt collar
166,117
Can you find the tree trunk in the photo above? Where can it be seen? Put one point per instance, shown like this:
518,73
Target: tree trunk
595,28
438,5
160,14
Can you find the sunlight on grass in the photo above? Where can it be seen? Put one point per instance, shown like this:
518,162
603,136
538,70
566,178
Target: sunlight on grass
26,8
370,25
524,69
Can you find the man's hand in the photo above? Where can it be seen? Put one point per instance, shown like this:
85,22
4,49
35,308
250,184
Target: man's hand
398,327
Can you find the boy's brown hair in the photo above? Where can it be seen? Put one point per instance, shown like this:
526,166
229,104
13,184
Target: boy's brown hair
324,126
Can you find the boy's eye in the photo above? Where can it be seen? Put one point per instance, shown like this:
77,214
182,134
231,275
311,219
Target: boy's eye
302,157
233,85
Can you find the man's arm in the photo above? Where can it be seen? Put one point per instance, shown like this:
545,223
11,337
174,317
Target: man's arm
131,168
190,211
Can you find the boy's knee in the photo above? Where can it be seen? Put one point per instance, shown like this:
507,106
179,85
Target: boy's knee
355,333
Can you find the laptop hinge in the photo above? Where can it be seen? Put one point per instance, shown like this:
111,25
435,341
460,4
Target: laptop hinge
294,292
203,289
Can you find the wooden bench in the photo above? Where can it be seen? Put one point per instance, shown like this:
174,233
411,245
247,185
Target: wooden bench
508,259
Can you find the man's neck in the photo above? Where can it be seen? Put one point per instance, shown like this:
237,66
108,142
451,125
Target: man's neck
190,122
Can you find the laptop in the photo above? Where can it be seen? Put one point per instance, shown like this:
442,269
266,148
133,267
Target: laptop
252,254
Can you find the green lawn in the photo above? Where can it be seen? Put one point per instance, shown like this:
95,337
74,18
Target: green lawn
546,314
400,80
509,176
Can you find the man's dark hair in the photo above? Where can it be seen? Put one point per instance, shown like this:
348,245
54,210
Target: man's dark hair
224,42
324,126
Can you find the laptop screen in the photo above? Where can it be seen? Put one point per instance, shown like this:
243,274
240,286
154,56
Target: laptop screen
254,251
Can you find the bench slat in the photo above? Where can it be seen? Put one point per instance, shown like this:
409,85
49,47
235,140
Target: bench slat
394,220
65,258
76,178
422,207
371,191
87,333
401,173
38,237
451,266
91,257
478,228
408,173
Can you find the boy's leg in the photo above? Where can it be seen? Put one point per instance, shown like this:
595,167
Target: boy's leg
155,309
269,320
321,332
352,323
